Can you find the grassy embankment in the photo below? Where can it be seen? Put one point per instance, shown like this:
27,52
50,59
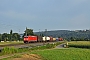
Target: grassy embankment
13,42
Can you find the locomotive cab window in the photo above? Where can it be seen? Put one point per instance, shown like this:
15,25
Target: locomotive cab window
25,37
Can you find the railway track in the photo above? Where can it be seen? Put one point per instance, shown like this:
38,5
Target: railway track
11,44
23,45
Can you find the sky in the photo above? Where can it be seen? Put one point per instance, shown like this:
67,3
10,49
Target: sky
39,15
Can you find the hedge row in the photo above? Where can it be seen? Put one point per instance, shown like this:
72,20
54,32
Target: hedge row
80,46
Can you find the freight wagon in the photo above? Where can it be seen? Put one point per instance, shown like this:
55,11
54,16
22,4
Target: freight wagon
60,39
39,39
51,39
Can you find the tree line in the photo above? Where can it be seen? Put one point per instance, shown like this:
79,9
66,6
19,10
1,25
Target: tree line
78,35
15,36
65,34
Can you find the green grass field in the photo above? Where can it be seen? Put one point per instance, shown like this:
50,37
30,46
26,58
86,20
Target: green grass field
65,54
61,54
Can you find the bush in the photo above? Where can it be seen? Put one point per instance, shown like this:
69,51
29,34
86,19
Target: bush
47,46
12,50
80,46
9,50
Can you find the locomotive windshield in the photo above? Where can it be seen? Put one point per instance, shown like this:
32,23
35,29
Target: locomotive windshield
25,37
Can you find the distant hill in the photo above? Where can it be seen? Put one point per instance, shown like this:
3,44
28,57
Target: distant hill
67,34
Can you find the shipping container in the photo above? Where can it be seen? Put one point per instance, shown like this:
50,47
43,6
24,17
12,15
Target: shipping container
54,39
46,38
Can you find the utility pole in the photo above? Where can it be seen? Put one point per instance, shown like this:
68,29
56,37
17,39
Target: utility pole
11,32
45,31
1,37
39,32
26,31
45,35
19,31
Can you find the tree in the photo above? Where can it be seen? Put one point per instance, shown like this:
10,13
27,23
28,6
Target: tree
0,37
28,32
4,36
72,39
11,32
15,36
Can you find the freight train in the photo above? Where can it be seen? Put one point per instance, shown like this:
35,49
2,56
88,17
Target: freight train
28,39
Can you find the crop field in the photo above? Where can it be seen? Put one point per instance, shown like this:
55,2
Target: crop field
79,44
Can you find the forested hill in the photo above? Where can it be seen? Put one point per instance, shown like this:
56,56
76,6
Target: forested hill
67,34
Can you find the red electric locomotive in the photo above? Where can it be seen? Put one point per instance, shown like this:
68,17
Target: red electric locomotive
28,39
